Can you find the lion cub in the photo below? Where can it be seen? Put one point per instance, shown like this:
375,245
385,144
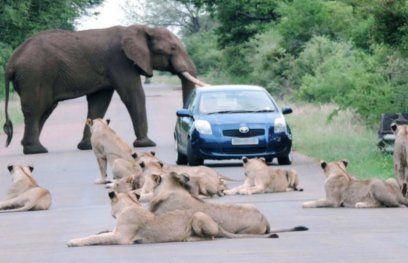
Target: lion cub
401,155
137,225
260,178
344,190
25,194
107,146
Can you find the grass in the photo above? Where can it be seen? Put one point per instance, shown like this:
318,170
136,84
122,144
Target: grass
344,137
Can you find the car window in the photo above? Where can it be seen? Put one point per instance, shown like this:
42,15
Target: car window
233,100
190,100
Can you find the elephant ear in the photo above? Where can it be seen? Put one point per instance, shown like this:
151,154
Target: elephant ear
135,45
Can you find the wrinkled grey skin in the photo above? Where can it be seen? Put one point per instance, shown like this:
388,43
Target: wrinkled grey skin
57,65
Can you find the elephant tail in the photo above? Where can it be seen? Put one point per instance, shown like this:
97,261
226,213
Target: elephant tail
8,126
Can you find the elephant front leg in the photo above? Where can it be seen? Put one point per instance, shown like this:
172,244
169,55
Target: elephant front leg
98,103
132,94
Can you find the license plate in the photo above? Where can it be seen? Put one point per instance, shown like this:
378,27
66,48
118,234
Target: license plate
245,141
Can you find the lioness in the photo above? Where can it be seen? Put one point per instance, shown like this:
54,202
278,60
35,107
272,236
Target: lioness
260,178
170,194
137,225
25,194
107,146
401,155
203,181
344,190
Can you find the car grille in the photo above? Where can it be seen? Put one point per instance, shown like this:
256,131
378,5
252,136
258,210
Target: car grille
237,133
250,150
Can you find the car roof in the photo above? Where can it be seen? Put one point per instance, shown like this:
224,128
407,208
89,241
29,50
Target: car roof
228,87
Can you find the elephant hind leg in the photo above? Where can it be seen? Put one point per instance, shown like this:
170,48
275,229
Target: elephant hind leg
98,103
35,114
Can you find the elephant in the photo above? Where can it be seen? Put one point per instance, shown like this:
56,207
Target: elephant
57,65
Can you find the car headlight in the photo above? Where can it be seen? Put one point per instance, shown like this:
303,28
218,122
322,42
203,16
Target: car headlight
203,127
279,125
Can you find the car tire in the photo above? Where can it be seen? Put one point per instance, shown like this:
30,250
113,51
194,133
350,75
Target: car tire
192,159
181,159
285,160
269,160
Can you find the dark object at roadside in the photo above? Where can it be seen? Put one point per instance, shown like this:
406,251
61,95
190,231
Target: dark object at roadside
386,136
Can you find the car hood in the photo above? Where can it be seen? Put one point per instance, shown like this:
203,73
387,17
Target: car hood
240,118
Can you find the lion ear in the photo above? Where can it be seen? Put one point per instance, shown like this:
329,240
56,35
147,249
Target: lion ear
134,43
112,195
345,162
161,164
153,153
142,164
89,122
31,168
394,126
107,121
244,159
323,164
157,179
263,159
10,167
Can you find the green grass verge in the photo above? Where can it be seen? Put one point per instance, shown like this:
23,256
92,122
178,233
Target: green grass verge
344,137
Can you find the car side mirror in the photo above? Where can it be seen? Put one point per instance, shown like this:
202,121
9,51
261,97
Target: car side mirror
184,113
287,110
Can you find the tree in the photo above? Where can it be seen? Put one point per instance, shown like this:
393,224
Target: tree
20,19
240,20
186,16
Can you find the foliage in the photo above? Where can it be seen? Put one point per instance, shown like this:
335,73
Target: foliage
186,16
20,19
240,20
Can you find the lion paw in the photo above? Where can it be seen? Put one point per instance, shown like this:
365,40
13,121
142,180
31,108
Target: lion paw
102,181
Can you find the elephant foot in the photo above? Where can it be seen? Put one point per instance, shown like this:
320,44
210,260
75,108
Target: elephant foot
34,149
144,143
84,145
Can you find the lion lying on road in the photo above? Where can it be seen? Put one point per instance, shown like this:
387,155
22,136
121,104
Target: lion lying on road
107,146
137,225
170,194
203,181
260,178
344,190
25,194
401,155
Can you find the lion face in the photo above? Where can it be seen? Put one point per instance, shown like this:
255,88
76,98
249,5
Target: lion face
122,201
20,172
336,167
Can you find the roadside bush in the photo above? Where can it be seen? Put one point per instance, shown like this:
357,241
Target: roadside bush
202,48
5,53
272,66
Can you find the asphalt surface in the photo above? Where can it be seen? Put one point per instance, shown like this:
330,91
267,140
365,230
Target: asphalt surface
81,208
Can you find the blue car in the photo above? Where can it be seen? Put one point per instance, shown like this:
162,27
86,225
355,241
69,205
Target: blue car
229,122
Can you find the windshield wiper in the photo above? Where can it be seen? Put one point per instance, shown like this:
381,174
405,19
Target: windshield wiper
239,111
263,111
221,112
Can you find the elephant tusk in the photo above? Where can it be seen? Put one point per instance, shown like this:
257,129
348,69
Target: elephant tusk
194,80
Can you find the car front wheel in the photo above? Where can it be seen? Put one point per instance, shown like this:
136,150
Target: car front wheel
192,159
285,160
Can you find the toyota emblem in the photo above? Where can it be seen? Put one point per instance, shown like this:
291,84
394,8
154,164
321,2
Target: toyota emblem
243,129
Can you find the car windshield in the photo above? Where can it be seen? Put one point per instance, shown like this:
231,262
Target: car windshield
235,101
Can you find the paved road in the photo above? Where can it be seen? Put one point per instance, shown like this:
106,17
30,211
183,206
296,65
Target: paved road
81,208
